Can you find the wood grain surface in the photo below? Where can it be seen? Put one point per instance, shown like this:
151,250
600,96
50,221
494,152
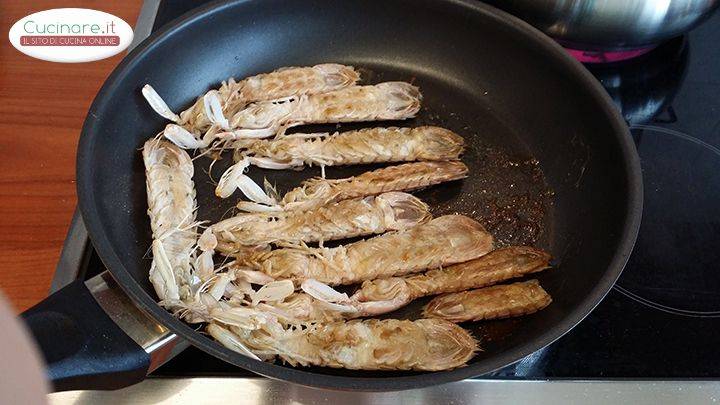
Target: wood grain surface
42,108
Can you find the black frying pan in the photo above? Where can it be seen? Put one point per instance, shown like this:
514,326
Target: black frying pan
509,90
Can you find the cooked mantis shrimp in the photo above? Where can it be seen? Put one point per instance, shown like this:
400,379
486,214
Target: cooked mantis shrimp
322,303
233,96
373,344
384,101
229,298
369,145
442,241
319,191
345,219
496,266
295,315
496,302
171,207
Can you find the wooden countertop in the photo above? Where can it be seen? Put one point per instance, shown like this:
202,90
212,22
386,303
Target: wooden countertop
42,108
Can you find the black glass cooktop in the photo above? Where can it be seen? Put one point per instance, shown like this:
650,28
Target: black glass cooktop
662,319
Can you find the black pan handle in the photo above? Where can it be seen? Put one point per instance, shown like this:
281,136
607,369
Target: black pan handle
83,347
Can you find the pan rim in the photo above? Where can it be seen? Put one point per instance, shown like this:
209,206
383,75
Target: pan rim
107,253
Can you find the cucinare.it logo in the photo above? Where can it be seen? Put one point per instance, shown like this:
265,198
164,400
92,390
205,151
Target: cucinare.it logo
70,35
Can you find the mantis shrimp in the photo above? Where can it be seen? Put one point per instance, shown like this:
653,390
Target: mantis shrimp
443,241
496,302
373,344
319,191
171,207
320,302
345,219
370,145
295,315
496,266
384,101
232,96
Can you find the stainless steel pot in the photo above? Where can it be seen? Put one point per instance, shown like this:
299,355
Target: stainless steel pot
610,24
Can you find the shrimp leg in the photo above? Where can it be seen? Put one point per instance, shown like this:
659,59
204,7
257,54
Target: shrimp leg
496,302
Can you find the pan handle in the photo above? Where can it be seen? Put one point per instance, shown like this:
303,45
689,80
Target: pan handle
93,337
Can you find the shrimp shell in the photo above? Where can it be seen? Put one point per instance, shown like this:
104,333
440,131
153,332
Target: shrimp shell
281,83
345,219
496,302
496,266
171,207
405,177
384,101
442,241
369,145
373,344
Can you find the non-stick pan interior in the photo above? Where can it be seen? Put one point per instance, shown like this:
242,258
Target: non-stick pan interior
549,164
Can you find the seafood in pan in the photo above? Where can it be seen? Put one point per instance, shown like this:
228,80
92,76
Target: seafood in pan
320,302
344,219
171,207
275,299
390,344
388,294
384,101
496,266
379,102
442,241
232,96
496,302
370,145
320,191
